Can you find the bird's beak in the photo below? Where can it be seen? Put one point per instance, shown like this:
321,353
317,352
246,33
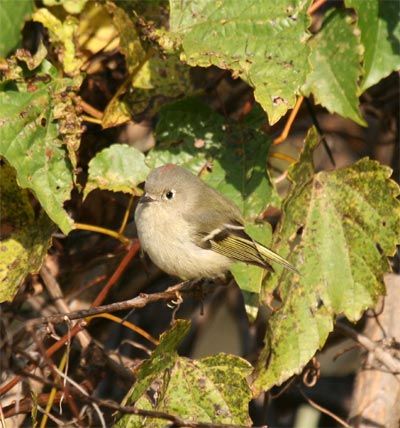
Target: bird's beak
146,198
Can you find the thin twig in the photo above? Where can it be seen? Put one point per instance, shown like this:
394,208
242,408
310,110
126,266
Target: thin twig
323,410
50,364
103,230
96,114
376,349
132,250
54,289
137,302
320,132
128,324
126,215
289,123
315,6
82,390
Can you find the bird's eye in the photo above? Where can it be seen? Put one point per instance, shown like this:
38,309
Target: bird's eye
170,194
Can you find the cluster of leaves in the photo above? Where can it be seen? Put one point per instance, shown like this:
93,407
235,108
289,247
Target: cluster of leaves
337,227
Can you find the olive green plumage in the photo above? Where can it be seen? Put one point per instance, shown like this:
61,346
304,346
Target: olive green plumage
190,230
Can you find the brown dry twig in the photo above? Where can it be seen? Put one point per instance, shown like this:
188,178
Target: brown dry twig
324,410
54,289
133,248
137,302
381,354
315,6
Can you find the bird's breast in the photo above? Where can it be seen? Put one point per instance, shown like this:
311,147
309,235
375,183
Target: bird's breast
168,240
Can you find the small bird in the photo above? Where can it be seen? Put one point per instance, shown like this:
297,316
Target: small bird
192,231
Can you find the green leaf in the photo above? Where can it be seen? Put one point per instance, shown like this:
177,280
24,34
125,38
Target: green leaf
25,236
62,35
349,221
261,42
249,277
251,304
210,390
130,43
30,141
155,82
239,173
187,132
380,34
32,61
335,60
154,77
12,17
71,6
192,134
294,333
119,168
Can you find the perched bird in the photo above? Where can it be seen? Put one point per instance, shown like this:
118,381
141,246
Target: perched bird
192,231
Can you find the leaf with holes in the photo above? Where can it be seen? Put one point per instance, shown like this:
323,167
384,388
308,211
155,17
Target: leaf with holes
192,134
210,390
349,221
62,34
263,42
30,141
25,236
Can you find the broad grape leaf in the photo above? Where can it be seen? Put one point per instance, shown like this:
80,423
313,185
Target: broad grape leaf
380,34
62,35
71,6
119,168
30,139
25,236
12,17
263,42
191,134
349,223
209,390
154,78
335,60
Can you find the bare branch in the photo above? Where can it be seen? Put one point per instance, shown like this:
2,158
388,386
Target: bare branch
137,302
380,353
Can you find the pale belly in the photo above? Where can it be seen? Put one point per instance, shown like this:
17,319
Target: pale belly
169,247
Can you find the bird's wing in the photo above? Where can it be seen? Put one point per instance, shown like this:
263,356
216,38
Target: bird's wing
220,228
233,242
237,245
